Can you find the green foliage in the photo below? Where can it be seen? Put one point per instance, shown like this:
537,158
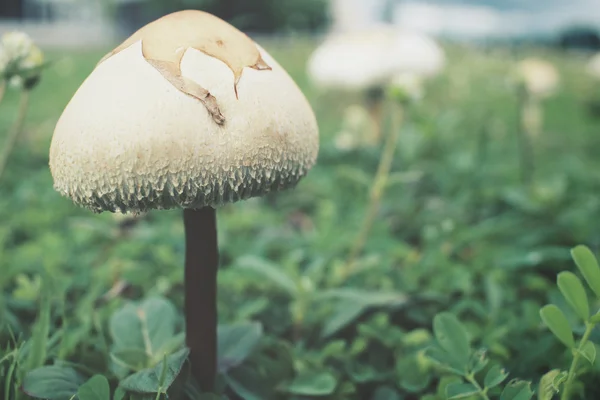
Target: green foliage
575,295
444,303
52,382
95,388
453,353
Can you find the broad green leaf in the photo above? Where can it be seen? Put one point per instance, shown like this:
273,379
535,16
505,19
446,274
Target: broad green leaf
458,390
495,376
157,379
96,388
588,265
546,388
353,302
119,394
445,360
236,343
478,361
589,352
595,319
312,384
37,351
361,372
345,312
269,272
558,324
573,291
517,390
386,393
452,337
149,325
52,383
365,297
411,377
560,379
132,359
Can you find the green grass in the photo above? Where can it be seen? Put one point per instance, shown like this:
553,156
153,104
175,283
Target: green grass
456,232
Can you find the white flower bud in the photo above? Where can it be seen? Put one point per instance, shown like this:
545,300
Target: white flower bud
16,82
34,59
17,45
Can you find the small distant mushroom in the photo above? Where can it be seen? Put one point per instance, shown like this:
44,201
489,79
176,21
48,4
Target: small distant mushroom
538,77
187,113
367,60
593,67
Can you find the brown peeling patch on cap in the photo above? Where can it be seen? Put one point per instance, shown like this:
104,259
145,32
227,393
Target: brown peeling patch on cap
165,38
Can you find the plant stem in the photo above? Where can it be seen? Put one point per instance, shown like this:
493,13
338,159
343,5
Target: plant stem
525,133
482,392
201,267
2,89
14,131
571,376
375,106
378,188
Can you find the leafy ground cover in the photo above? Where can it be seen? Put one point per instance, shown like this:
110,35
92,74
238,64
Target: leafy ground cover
444,302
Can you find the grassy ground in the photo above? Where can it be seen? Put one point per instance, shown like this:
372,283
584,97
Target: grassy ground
457,231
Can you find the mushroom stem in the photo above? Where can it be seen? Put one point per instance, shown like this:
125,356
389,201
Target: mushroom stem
201,266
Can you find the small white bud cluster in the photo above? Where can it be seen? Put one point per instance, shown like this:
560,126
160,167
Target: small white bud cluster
19,58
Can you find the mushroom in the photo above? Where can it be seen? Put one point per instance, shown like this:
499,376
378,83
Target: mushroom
187,113
367,60
538,77
593,67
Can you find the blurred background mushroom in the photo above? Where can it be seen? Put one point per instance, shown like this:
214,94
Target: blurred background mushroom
366,61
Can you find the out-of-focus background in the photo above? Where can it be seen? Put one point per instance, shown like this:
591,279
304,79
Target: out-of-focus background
489,114
100,22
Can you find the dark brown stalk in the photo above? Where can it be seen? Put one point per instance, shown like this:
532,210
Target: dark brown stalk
201,266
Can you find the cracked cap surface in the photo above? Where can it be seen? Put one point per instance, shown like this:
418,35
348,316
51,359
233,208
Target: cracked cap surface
130,141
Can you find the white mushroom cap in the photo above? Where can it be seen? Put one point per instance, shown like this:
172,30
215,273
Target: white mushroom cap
593,66
418,54
353,60
539,77
130,141
370,58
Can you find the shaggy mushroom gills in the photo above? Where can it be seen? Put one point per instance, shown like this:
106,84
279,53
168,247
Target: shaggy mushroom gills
165,41
133,140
